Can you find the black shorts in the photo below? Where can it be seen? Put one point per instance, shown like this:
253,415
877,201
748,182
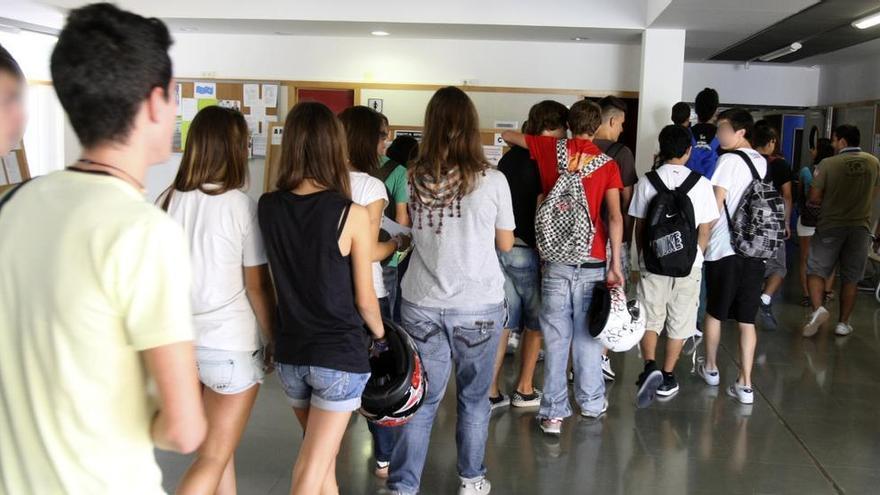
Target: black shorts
733,288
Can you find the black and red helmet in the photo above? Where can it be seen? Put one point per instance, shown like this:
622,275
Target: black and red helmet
398,384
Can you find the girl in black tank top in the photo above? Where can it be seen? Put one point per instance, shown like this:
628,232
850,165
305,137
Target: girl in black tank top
319,247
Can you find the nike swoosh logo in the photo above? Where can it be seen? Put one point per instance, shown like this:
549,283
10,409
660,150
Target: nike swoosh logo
670,216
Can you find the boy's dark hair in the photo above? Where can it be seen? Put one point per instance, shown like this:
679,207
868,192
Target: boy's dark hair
706,104
403,149
740,119
547,115
681,113
849,133
9,65
104,65
585,117
611,105
764,134
674,142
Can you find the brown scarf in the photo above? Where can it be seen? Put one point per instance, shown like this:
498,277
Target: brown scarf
434,197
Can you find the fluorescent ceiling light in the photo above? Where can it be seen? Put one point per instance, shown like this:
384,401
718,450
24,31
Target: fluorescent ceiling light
788,50
380,33
868,21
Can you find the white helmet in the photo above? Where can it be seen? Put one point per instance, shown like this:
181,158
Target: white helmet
619,325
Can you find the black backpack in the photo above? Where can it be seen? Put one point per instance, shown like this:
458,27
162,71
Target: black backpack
670,232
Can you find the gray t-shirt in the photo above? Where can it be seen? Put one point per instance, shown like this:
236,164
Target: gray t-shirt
459,266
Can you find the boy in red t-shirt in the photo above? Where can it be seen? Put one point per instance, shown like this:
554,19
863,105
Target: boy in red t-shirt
567,289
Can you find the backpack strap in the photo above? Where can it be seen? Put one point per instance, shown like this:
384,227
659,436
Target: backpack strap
562,155
5,198
654,178
615,149
689,183
383,172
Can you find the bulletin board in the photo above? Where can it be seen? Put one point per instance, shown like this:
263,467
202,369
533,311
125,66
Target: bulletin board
14,168
259,105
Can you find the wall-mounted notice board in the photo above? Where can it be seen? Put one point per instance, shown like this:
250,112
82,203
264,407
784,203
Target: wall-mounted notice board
14,168
259,101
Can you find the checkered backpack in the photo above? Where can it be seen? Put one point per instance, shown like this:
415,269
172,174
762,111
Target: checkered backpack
757,228
563,228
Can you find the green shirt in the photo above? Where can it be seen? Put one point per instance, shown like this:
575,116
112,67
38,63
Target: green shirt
847,181
399,193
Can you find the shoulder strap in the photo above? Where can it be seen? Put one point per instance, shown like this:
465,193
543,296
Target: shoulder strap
342,219
562,155
746,158
5,199
614,149
385,170
689,183
654,178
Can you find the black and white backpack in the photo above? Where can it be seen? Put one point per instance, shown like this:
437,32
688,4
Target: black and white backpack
564,230
670,240
757,228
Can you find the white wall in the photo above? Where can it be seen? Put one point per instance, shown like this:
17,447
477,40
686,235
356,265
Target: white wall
426,61
850,81
761,84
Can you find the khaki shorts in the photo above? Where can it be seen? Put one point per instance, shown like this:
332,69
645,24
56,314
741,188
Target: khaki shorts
671,302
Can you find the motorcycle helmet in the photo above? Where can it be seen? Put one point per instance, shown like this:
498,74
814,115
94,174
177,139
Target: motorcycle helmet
397,384
619,325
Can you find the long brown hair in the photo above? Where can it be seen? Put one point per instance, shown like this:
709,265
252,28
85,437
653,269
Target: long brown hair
451,139
313,147
216,152
363,129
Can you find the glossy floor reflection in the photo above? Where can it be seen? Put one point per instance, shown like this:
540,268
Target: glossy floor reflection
814,428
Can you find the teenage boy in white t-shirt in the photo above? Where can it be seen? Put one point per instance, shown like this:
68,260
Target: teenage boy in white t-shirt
733,282
670,302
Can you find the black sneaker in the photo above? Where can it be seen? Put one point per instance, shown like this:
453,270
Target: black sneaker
649,381
669,387
768,319
500,401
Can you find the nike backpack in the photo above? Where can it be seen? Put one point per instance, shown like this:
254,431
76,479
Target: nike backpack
564,230
757,227
670,240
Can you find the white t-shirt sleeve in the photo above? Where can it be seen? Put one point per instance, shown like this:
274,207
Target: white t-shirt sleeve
644,192
705,204
725,173
253,251
375,191
504,220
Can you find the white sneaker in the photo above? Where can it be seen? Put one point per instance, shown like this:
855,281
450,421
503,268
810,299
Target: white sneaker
512,343
550,426
817,318
479,486
607,372
843,329
588,414
741,393
710,376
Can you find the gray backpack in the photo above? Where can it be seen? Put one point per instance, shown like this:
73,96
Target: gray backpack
564,230
757,228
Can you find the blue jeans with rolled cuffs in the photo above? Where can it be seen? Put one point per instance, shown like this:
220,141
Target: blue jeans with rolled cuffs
467,338
566,293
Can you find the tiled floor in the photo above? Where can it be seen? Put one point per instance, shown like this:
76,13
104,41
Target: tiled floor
814,429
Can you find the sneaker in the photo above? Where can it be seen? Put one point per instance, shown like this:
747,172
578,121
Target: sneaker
817,318
512,343
382,469
648,383
843,329
768,319
669,387
550,426
711,377
592,415
692,343
607,372
500,401
866,285
479,486
526,400
741,393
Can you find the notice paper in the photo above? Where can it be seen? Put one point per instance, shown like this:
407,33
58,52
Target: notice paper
493,154
204,90
251,94
206,102
393,228
270,95
277,135
259,147
178,94
190,107
10,164
233,104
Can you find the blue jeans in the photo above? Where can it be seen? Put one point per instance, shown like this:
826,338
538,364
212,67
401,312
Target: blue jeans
389,278
566,292
467,337
522,287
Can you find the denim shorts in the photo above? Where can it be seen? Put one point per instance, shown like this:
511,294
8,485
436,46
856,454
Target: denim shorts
324,388
229,372
522,287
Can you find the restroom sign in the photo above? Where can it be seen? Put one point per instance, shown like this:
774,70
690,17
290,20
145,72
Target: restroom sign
375,104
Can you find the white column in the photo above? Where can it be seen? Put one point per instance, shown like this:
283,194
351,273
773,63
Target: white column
660,87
